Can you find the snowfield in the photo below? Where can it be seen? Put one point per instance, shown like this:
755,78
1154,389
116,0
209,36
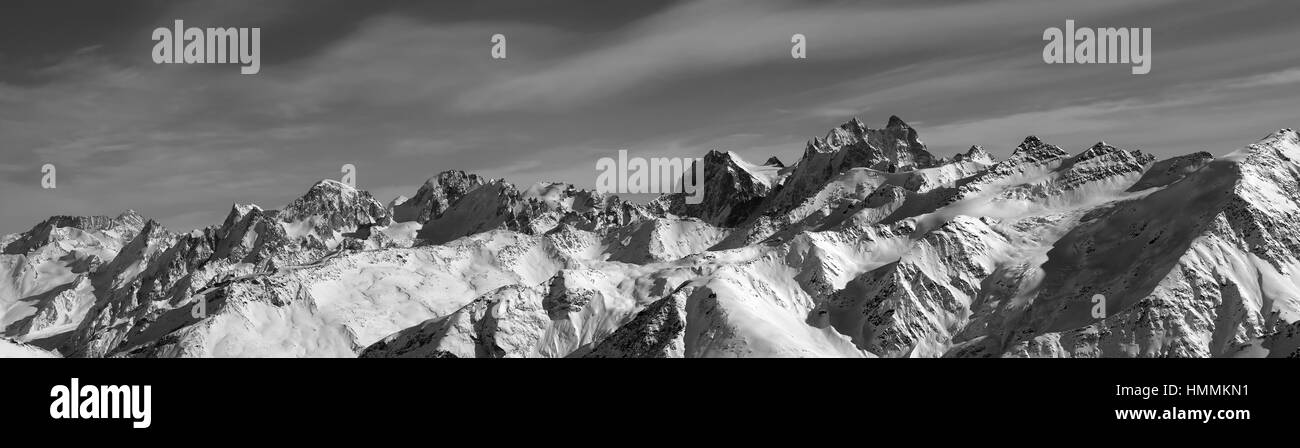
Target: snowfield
868,246
11,349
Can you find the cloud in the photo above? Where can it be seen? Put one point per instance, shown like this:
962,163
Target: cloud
404,96
1288,76
163,138
711,36
422,146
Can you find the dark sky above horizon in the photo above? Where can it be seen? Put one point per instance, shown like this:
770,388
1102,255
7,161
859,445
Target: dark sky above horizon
406,89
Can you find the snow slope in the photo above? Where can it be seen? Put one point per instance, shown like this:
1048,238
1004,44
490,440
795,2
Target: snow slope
11,349
868,246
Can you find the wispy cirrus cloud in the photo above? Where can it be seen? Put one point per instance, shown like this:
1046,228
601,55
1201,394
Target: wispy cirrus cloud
720,35
1278,78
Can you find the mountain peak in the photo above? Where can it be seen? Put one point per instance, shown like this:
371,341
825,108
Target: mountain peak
895,123
816,145
1277,152
1099,149
1030,142
436,195
976,153
243,209
1286,134
733,190
237,213
492,267
454,176
40,234
855,125
323,193
338,204
331,185
1037,149
716,156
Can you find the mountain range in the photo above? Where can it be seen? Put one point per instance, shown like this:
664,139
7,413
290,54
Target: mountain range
867,246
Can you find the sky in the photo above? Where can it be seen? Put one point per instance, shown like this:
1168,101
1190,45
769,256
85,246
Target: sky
403,90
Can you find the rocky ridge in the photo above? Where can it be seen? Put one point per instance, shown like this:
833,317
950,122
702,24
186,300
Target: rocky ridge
868,246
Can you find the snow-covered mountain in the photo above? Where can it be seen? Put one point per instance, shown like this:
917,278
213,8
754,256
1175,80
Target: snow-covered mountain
867,246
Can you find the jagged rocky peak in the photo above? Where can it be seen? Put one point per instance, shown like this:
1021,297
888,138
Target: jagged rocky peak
1278,144
902,146
845,134
436,195
976,153
715,158
1097,150
1031,152
337,205
129,218
248,234
126,223
731,167
245,208
238,212
153,229
546,205
839,259
1036,149
853,130
894,123
1102,145
773,161
152,236
536,210
1102,153
502,323
896,147
733,189
1275,159
656,332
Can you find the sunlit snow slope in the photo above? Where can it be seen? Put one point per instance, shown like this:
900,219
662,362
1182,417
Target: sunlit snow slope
867,246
